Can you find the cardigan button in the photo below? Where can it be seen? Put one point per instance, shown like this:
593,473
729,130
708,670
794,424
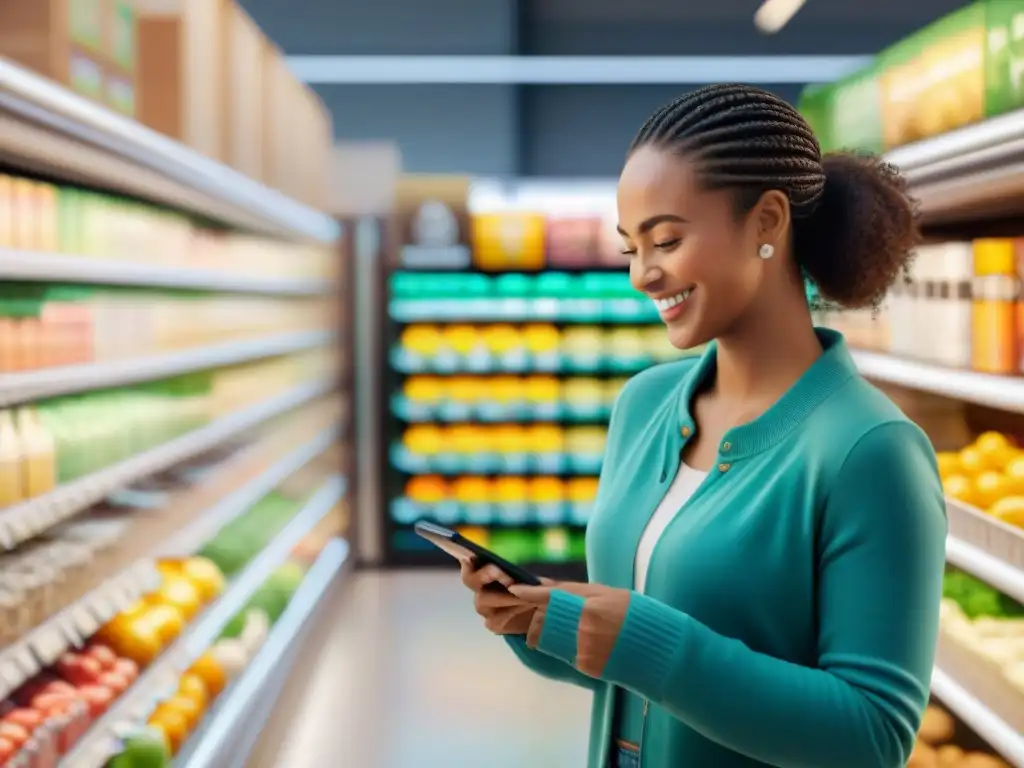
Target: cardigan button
685,431
726,446
723,467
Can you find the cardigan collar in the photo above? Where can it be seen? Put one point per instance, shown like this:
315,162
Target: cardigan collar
830,371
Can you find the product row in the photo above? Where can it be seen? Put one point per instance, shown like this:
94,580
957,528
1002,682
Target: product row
962,306
527,546
46,326
506,501
60,440
37,216
505,450
987,474
537,348
595,297
956,71
505,399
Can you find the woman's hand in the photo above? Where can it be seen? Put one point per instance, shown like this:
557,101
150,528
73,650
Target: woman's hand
604,612
503,613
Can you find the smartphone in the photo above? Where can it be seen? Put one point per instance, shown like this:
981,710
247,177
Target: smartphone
466,551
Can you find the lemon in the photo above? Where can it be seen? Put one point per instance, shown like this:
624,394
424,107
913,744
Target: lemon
989,442
1009,509
972,461
949,464
991,487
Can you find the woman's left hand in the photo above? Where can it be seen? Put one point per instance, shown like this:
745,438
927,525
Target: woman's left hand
604,612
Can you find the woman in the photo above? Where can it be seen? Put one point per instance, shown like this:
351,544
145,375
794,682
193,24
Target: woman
767,547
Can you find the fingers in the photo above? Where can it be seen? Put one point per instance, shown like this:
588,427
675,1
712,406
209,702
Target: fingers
487,602
536,628
534,595
478,578
508,621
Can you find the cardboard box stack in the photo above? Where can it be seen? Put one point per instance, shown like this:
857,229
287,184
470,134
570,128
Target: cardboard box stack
88,46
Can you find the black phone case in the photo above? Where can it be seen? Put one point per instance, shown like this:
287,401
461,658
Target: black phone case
482,556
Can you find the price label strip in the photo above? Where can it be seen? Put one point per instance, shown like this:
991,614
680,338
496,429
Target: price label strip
49,643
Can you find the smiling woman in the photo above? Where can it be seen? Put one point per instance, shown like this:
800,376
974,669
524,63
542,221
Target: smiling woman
767,547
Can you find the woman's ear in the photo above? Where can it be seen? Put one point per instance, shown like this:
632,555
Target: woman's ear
771,217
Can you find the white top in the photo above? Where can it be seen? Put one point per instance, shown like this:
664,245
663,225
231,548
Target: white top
679,492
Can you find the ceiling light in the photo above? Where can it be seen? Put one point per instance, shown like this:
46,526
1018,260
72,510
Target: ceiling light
773,15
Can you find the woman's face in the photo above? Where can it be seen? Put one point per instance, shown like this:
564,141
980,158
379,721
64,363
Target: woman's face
689,251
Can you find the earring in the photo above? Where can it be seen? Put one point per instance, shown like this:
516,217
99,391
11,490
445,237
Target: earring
766,251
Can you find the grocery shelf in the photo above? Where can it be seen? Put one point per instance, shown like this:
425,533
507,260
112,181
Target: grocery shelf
45,128
967,174
999,734
96,747
53,267
72,626
227,736
23,522
1002,392
48,382
987,548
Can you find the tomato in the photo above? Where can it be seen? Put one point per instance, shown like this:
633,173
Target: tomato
54,703
15,734
128,668
79,670
7,750
97,697
115,681
29,719
59,686
102,653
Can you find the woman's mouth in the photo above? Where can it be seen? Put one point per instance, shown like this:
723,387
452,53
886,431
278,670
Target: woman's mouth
671,307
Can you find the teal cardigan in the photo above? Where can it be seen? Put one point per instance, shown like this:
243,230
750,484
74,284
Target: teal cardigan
791,609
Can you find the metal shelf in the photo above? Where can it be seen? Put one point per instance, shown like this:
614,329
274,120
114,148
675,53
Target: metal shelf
972,173
996,732
45,128
1002,392
226,737
49,382
96,747
988,548
27,520
71,627
52,267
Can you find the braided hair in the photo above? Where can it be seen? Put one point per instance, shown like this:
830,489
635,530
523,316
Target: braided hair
854,226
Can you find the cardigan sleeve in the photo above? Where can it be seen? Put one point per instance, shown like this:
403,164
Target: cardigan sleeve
881,555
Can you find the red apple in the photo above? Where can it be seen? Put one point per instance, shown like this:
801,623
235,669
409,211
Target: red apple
29,719
7,750
98,697
15,734
79,670
54,703
59,686
128,668
106,657
115,681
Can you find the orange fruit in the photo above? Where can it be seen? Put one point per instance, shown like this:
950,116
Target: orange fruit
990,441
192,687
1015,474
189,709
961,488
973,461
172,724
949,464
209,670
991,487
205,576
1010,510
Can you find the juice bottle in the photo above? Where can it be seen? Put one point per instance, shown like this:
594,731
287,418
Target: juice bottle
581,494
463,350
555,545
505,346
585,448
624,350
461,399
473,495
510,443
7,212
584,349
472,447
12,484
423,494
510,500
420,398
420,447
511,240
503,399
547,498
547,447
995,292
543,345
544,398
39,454
584,398
418,346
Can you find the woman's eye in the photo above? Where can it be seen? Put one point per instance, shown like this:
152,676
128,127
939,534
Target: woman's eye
628,252
668,245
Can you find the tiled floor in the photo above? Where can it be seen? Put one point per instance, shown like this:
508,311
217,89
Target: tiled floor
408,678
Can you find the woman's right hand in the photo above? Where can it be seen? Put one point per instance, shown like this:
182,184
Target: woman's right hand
503,613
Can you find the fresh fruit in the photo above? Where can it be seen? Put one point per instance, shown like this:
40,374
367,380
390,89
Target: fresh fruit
115,681
1014,472
961,488
949,464
991,442
231,655
172,724
1009,509
972,461
209,670
145,748
991,487
165,621
29,719
127,668
188,708
205,576
79,670
54,703
7,751
15,734
104,655
191,686
181,594
97,697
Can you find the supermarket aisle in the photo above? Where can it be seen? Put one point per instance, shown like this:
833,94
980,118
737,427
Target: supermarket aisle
408,678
